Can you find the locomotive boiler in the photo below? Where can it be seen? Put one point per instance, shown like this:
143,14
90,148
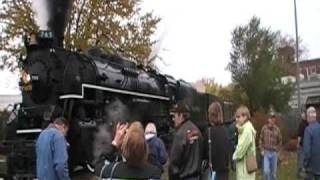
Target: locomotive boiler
94,91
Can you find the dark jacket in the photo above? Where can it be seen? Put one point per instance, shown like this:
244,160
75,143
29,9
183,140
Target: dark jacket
232,135
157,151
186,152
220,149
52,156
124,171
302,126
311,148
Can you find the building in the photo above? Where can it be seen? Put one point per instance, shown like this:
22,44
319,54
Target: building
309,80
310,69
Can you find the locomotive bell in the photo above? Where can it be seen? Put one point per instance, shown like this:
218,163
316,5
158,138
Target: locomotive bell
33,40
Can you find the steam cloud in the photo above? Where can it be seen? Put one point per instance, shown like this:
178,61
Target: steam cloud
40,9
52,15
102,141
115,112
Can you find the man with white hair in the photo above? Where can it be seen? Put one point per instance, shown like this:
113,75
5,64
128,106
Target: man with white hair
311,145
157,150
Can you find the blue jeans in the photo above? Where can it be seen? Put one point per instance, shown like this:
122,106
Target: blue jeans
270,161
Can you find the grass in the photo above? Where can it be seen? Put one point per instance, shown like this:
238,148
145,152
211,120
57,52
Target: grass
286,169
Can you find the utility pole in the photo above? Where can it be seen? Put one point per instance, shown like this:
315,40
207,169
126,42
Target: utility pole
297,56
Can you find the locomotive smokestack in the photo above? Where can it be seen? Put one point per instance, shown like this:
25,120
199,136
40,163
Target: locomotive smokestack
52,15
58,12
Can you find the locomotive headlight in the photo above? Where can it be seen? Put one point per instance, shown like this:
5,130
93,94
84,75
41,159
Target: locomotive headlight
26,84
26,78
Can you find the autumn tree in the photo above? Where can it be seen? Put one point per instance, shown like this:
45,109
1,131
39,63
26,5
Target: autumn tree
256,69
211,86
233,94
229,93
117,26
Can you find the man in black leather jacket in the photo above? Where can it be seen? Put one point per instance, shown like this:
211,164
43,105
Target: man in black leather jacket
186,150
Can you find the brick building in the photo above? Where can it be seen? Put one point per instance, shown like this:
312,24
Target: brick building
309,68
309,75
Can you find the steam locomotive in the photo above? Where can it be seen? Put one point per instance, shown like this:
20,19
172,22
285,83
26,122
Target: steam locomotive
94,91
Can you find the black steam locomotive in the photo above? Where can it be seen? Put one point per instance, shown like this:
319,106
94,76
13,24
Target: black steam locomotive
93,90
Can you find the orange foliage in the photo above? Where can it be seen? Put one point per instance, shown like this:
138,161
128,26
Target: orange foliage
260,119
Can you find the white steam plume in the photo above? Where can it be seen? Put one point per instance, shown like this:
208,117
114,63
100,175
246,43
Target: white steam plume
102,141
114,112
40,8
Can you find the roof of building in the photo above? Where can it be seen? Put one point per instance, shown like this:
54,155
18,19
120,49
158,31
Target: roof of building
308,60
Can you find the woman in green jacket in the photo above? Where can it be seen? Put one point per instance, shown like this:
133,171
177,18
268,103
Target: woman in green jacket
246,143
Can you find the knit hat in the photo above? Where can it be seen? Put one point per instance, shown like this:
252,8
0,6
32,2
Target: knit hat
150,129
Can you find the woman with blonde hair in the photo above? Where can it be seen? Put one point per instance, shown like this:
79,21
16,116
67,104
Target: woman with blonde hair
246,149
134,150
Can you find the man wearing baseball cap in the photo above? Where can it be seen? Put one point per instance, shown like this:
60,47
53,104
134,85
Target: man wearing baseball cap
270,143
185,155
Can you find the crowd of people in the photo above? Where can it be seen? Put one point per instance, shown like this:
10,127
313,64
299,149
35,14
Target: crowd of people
138,153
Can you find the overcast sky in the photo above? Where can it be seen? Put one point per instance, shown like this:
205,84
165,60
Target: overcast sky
196,33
